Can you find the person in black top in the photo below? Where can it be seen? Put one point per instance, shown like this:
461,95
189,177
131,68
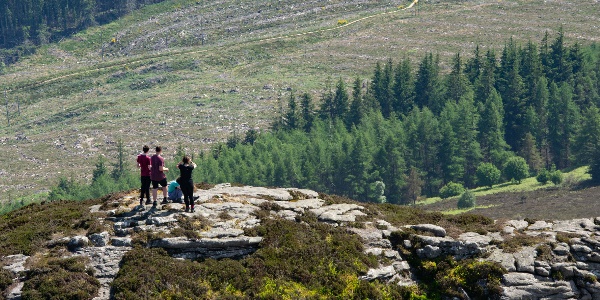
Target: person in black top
186,167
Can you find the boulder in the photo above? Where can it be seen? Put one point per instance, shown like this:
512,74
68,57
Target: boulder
525,259
99,239
540,225
380,273
528,286
429,252
121,241
434,229
476,238
517,224
77,242
506,260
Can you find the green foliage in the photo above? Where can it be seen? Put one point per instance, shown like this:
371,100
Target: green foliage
443,277
6,279
298,260
27,229
543,176
466,200
451,189
60,278
516,169
487,174
556,177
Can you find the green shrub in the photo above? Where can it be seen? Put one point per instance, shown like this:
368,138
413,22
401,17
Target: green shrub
487,174
60,278
451,189
466,200
556,177
543,176
516,169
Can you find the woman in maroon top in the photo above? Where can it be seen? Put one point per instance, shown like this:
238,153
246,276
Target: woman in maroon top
186,166
143,161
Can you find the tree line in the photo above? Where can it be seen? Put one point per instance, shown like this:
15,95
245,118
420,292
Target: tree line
416,130
24,24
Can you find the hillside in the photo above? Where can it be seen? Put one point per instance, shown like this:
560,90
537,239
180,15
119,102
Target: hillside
159,85
259,243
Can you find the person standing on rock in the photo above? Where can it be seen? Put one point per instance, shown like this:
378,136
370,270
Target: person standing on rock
143,161
158,176
186,167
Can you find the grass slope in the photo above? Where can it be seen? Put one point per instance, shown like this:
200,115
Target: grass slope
158,84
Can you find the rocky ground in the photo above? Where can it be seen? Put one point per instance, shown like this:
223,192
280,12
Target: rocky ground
543,260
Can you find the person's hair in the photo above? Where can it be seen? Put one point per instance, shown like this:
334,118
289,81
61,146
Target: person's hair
145,148
158,148
186,159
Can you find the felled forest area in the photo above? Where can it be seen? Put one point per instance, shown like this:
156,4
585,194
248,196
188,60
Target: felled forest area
408,132
26,24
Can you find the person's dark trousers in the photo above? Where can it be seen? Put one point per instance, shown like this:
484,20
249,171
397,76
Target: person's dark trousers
145,190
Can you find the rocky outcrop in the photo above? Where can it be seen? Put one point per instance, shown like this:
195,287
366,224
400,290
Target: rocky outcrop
562,262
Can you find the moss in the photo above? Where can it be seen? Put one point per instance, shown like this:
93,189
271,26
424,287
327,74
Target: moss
544,252
60,278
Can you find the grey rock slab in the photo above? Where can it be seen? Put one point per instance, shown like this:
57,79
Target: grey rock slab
99,239
106,263
436,230
473,237
78,242
160,221
540,225
221,233
435,241
581,248
287,214
561,249
372,237
508,230
374,251
95,208
121,241
429,252
307,193
517,224
183,243
392,254
15,263
525,259
506,260
14,292
401,266
383,272
542,271
528,286
303,204
256,192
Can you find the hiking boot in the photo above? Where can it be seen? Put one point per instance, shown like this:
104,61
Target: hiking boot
187,209
165,201
196,198
193,210
148,202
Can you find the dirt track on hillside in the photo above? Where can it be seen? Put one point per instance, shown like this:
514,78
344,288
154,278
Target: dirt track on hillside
543,204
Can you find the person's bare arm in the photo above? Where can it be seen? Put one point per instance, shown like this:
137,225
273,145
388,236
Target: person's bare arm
163,169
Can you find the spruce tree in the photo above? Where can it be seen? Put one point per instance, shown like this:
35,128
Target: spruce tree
428,88
340,100
485,82
291,119
491,130
587,139
474,65
307,112
403,88
511,88
457,84
357,108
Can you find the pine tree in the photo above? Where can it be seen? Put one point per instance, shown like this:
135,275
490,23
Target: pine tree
587,139
327,109
491,130
559,68
474,65
428,88
485,82
403,88
340,100
510,86
120,167
307,114
291,119
414,183
563,118
457,84
530,153
357,108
